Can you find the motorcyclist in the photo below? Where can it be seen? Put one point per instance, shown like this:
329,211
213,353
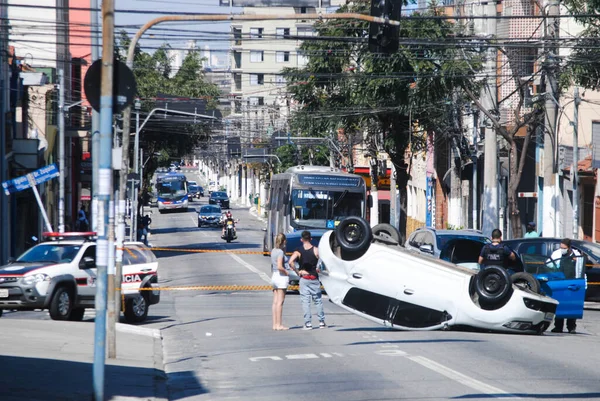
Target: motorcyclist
229,219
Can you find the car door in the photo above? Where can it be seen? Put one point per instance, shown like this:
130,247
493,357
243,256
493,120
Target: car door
86,278
562,280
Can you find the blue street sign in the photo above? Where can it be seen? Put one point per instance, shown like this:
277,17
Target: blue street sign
331,224
37,177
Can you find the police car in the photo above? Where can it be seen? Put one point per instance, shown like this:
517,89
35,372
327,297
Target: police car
367,272
60,275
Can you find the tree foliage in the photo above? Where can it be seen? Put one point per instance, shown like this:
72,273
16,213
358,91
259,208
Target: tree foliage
345,86
173,138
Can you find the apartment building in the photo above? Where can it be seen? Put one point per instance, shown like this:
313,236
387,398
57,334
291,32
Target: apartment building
260,50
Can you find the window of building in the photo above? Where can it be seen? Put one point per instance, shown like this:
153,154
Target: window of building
237,59
237,36
257,56
237,79
257,79
256,33
302,59
238,106
282,57
279,80
257,101
305,31
282,33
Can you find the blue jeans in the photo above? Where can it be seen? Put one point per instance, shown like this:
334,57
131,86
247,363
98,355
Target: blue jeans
311,289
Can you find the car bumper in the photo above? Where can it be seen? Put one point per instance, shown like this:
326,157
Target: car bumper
170,206
22,297
209,222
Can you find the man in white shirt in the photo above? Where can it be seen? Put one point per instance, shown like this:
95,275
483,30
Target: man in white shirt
564,258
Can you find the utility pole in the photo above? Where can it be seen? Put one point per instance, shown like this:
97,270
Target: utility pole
551,203
475,182
95,122
104,192
489,100
575,168
136,161
61,151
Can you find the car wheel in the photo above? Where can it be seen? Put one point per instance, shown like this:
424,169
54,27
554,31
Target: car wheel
526,281
136,309
387,231
354,235
61,304
199,225
77,314
493,285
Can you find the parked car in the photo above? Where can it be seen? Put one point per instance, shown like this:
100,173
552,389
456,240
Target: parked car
194,191
60,275
371,275
219,198
461,247
209,215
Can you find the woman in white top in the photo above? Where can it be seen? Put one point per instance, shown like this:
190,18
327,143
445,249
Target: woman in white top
280,280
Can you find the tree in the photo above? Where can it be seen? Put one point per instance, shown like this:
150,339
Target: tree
345,86
173,137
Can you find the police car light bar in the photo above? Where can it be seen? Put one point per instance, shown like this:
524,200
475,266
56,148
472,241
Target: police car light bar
57,235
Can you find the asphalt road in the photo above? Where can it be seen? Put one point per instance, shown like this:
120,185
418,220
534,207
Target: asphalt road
220,346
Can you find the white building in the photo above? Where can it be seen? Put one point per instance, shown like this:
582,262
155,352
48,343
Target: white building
260,50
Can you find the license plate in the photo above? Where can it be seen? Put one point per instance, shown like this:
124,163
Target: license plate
3,293
549,316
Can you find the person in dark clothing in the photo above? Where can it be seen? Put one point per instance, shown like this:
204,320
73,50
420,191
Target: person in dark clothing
146,221
496,254
310,286
82,221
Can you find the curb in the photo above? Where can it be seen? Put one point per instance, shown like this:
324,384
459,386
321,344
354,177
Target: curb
142,331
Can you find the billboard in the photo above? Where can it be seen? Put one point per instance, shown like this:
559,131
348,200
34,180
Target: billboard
276,3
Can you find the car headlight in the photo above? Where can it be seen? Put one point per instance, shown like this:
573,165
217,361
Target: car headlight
35,278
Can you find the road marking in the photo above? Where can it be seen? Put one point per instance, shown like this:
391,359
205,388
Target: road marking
326,355
272,358
302,356
248,266
389,346
477,385
391,352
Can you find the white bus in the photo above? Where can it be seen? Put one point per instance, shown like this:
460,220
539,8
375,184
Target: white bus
313,198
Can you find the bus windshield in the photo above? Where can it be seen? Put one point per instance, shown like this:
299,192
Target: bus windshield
312,208
171,188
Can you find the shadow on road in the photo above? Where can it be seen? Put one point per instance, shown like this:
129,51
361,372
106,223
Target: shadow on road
68,380
563,396
203,246
450,340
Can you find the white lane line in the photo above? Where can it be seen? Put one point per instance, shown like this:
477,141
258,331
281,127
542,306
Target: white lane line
477,385
248,266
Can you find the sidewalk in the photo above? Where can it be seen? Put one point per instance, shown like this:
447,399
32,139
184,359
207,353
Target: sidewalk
50,360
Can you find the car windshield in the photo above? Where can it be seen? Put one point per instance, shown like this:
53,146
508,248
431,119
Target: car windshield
218,195
210,209
443,239
50,253
194,183
312,208
193,188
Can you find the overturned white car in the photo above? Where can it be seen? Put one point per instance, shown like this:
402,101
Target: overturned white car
367,272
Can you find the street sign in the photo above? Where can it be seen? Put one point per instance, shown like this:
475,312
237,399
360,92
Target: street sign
527,194
27,181
124,85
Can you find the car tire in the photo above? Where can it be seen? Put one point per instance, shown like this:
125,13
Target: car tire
77,314
354,236
388,231
493,285
199,225
136,309
61,304
527,281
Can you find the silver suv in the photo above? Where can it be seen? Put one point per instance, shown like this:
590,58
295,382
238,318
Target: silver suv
461,247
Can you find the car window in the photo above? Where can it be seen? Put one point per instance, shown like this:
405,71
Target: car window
210,209
531,248
418,239
565,268
427,239
90,252
133,256
50,253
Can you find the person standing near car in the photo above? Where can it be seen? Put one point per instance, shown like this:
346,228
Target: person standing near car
565,259
496,253
280,280
310,286
531,233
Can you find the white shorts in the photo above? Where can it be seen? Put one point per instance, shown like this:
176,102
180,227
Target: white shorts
280,281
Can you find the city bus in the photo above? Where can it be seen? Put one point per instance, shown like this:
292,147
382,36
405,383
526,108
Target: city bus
171,191
313,198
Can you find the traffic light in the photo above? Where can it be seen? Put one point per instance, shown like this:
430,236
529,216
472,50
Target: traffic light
384,38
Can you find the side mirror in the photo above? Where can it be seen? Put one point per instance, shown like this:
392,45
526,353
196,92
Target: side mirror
369,201
87,263
427,248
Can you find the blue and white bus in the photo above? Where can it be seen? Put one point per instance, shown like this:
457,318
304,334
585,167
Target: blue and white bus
171,191
313,198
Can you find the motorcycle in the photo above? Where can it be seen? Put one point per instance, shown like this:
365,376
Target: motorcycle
230,234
